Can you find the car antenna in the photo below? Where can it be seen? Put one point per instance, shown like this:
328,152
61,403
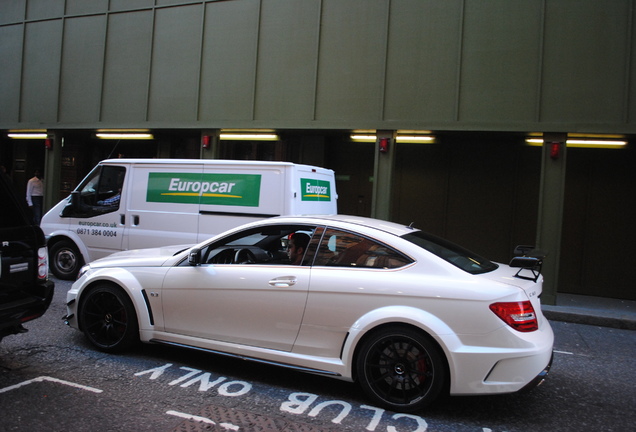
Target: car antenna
113,150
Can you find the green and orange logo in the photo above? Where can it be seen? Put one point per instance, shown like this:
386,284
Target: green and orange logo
315,190
202,188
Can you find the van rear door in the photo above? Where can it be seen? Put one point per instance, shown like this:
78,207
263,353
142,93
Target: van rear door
315,193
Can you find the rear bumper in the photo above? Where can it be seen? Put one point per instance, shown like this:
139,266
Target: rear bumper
538,380
482,369
23,306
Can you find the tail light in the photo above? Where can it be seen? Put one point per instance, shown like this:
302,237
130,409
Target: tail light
43,264
518,315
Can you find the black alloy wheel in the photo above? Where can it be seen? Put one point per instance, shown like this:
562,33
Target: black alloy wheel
108,318
401,368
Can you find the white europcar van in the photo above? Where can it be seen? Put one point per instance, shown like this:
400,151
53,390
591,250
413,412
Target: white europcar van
139,203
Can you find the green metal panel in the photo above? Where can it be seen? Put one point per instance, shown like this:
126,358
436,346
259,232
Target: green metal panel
127,68
10,47
508,65
44,9
86,6
171,2
121,5
174,79
587,46
12,11
229,61
82,66
287,60
422,70
500,58
352,61
40,72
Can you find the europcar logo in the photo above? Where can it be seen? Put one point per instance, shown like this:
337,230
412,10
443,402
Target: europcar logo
192,188
315,190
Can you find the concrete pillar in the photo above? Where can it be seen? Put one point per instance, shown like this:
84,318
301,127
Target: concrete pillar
383,174
550,220
53,169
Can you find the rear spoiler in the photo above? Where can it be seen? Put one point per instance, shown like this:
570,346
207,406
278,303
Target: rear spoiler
528,258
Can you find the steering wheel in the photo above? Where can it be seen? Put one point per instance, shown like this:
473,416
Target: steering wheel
244,256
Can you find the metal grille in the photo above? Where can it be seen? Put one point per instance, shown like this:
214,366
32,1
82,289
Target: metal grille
216,418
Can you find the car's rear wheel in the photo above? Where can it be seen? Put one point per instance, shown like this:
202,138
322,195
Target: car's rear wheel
65,260
401,368
108,319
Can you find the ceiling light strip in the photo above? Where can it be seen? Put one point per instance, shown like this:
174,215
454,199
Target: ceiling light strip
248,137
583,143
120,135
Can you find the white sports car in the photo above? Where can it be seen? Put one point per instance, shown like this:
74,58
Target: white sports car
405,314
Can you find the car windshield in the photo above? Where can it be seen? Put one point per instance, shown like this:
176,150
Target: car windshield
454,254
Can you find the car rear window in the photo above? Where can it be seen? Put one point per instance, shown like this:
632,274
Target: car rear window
346,249
458,256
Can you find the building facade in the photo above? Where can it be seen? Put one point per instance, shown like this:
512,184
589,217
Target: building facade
424,108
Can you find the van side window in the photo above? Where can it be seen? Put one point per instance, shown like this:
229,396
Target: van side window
344,249
100,192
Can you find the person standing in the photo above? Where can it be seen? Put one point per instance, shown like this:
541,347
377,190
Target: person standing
35,196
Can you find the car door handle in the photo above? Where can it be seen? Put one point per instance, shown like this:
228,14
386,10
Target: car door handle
283,281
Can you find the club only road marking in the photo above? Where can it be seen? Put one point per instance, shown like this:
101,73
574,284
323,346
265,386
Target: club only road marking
50,379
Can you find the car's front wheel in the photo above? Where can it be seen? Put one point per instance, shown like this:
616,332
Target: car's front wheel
401,368
108,319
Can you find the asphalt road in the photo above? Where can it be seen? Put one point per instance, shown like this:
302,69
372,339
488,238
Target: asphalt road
51,379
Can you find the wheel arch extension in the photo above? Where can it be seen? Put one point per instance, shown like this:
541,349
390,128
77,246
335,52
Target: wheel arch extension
412,318
137,297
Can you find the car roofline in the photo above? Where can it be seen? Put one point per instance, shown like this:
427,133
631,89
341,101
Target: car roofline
359,221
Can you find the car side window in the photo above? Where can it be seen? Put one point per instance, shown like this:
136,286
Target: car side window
262,245
346,249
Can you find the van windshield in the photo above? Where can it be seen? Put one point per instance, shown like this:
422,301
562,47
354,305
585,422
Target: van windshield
452,253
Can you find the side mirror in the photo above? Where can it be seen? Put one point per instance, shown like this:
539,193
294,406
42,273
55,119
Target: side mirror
73,206
194,257
75,201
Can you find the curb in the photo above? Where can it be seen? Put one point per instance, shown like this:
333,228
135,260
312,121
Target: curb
589,317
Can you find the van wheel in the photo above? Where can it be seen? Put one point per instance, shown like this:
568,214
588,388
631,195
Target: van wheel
108,319
65,260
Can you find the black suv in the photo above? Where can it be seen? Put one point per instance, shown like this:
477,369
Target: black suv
25,289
